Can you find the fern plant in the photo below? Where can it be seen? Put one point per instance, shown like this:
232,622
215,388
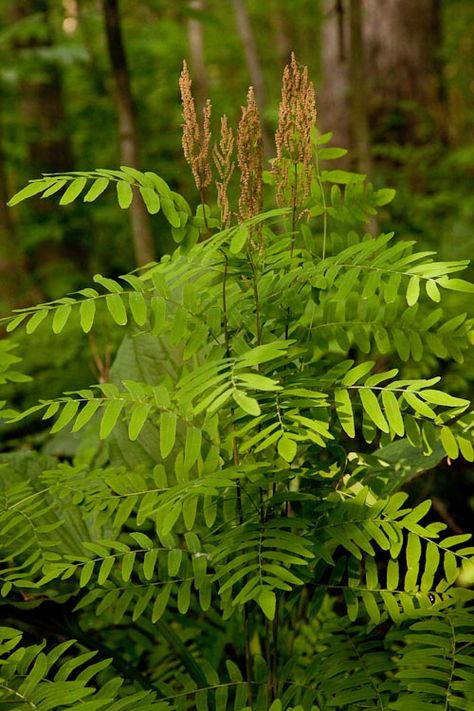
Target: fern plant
245,539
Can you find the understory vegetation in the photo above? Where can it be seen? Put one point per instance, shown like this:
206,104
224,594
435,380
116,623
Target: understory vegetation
230,522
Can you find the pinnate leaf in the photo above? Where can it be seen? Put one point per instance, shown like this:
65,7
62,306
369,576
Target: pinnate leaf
267,602
247,403
124,194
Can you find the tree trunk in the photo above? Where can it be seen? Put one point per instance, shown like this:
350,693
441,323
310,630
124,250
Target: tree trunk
280,22
127,124
15,291
358,92
43,118
254,67
404,93
196,51
333,94
403,40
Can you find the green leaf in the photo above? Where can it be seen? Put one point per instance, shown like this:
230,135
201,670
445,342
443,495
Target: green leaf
267,601
142,539
432,290
73,190
151,200
344,411
86,573
109,284
15,322
124,194
116,308
175,557
384,196
391,288
413,290
85,415
189,512
128,562
457,285
450,567
418,405
392,412
331,153
287,448
413,555
110,416
29,190
371,606
105,569
239,240
262,354
373,410
184,597
138,418
169,212
170,518
248,404
449,442
161,186
149,563
323,138
138,307
35,320
343,177
137,175
36,674
87,314
355,374
258,382
68,412
437,397
60,317
54,188
167,433
51,410
392,574
192,448
96,189
432,558
161,602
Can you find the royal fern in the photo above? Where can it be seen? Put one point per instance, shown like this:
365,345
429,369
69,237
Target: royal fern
238,527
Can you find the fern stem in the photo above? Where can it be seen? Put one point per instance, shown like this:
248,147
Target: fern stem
323,200
258,322
274,659
248,657
294,206
294,196
204,205
235,456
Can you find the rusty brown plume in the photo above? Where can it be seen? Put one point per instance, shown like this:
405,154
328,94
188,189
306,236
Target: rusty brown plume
250,159
296,117
196,138
222,155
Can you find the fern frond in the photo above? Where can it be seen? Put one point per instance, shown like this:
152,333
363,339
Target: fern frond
33,678
436,663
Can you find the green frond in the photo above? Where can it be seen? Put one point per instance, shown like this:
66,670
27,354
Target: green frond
32,678
436,664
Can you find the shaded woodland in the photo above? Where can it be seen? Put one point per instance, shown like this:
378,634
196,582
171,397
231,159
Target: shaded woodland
100,84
